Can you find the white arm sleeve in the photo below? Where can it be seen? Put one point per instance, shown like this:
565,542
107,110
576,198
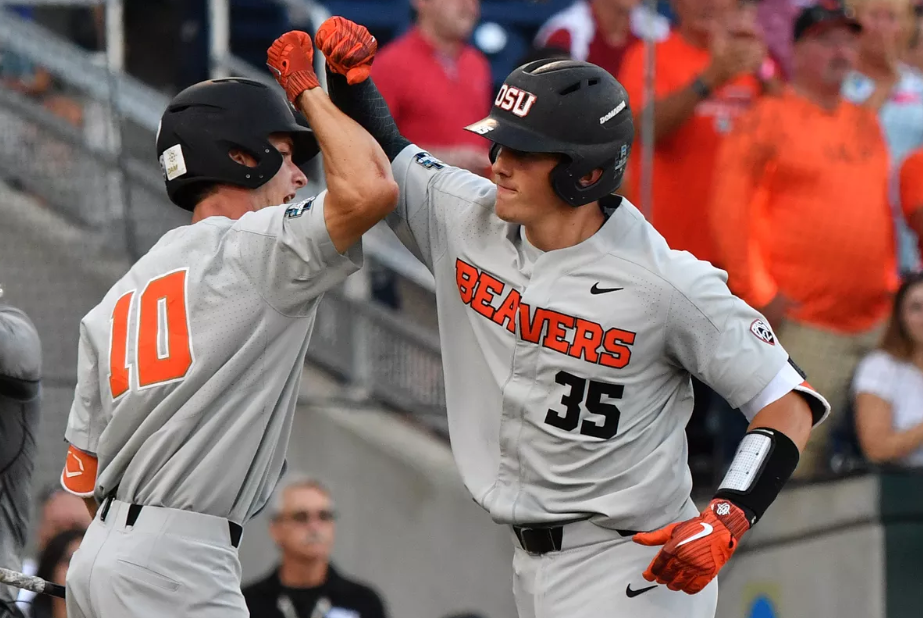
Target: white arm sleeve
85,423
289,256
786,381
429,192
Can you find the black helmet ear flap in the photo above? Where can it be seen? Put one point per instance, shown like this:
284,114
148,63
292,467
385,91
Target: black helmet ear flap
494,152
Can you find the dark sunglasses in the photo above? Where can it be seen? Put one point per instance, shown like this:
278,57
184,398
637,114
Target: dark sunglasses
303,517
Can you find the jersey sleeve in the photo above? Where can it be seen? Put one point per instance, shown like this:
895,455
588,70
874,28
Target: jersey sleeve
289,257
429,190
20,355
86,421
727,344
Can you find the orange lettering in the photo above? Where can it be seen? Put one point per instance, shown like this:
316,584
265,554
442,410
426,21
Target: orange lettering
507,311
531,328
616,342
118,346
557,322
588,338
487,287
164,350
466,277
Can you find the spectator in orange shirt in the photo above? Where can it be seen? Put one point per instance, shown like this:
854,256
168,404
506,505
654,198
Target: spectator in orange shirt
705,76
911,189
435,83
801,217
601,31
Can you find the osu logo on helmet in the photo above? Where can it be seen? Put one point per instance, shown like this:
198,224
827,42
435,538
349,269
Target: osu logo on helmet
512,99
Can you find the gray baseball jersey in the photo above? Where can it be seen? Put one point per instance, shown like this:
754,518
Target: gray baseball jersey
568,372
20,394
189,368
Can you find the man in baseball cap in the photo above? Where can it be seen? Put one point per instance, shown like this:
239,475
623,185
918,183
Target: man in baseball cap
823,15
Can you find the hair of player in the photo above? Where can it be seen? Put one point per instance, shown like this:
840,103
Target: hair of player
297,481
896,340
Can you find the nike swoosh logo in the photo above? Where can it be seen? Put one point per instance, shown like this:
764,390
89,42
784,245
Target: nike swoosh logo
633,593
706,530
598,290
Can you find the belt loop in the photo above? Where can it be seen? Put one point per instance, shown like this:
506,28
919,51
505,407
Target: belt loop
133,511
236,532
107,502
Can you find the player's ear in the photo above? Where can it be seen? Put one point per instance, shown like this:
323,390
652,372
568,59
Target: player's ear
591,178
244,158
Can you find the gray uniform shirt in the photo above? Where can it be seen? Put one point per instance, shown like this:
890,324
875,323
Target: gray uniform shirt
20,375
568,373
190,366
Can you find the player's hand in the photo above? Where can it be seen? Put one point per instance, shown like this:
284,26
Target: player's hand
291,60
348,47
695,550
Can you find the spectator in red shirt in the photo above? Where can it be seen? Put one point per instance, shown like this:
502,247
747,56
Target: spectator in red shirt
599,31
436,84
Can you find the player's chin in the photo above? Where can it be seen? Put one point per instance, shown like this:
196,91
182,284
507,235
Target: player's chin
508,210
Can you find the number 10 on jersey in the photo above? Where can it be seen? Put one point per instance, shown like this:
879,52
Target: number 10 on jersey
163,347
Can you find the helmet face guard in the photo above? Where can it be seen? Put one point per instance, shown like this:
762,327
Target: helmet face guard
204,122
565,107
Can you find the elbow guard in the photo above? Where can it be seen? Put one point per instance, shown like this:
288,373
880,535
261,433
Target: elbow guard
765,460
364,104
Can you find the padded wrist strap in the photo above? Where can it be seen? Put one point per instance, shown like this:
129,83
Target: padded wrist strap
765,460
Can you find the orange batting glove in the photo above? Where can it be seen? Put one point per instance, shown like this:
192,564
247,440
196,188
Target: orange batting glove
348,47
695,550
291,60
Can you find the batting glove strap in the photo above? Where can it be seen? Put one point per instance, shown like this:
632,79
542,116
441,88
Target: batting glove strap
731,517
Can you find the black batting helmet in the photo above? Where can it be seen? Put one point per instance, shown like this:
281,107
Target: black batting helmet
567,107
204,122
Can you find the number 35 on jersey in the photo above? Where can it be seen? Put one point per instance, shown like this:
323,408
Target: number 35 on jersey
162,342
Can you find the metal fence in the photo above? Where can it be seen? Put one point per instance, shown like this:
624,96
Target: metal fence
99,183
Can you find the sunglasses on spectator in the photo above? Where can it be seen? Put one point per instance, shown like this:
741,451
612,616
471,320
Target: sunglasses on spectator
303,517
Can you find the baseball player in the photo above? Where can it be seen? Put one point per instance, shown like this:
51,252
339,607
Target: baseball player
20,395
569,332
189,368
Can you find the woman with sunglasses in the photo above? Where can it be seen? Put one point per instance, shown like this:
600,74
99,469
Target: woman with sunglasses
889,385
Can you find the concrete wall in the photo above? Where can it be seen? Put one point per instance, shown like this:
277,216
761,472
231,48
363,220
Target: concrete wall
407,524
818,552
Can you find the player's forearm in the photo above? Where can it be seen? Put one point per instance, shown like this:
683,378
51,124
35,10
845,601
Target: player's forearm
364,104
357,170
790,415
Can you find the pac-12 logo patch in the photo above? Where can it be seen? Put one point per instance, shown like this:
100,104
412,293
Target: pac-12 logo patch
762,332
428,161
299,208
